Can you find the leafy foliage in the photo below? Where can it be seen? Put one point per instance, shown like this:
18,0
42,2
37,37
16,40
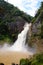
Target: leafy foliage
36,37
8,14
36,60
39,13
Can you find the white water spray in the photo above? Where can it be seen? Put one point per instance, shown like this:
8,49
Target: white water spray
19,45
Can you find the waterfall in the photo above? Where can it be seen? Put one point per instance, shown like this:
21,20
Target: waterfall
19,44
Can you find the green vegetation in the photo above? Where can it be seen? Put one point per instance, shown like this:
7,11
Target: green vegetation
35,60
36,37
38,19
39,14
9,15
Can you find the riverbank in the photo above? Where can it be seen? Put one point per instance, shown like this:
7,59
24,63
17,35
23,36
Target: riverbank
12,57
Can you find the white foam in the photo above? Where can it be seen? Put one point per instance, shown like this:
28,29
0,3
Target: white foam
19,44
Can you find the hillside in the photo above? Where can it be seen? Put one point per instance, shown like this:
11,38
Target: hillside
36,37
12,21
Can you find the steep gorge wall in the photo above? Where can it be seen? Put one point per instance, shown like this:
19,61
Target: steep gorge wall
34,36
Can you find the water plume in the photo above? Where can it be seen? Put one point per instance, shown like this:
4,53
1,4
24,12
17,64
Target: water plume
19,44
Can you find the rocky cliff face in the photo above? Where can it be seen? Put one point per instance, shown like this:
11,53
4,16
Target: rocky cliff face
36,37
12,20
15,28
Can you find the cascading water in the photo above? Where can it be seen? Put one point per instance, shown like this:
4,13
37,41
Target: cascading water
19,45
